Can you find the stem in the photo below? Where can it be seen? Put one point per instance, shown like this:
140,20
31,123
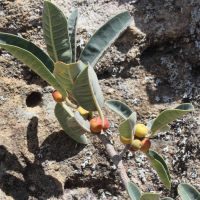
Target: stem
117,159
126,148
67,108
69,103
101,115
90,114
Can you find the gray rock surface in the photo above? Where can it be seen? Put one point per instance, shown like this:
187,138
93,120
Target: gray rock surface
154,65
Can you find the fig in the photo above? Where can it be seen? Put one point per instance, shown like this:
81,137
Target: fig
57,96
140,130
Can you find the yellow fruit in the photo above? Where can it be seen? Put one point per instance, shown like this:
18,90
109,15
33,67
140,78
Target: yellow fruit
83,112
137,144
125,140
141,130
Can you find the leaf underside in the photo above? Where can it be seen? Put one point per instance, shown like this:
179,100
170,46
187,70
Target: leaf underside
126,128
168,116
35,64
150,122
160,166
9,39
87,92
66,74
78,124
62,116
133,191
150,196
165,128
120,108
187,192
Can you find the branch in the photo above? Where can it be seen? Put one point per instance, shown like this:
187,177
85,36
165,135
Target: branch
117,159
126,148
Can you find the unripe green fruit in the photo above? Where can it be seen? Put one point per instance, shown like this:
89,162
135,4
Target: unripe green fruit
57,96
140,130
146,144
137,144
96,124
83,112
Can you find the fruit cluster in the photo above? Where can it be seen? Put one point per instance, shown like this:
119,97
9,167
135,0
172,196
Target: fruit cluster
96,124
139,141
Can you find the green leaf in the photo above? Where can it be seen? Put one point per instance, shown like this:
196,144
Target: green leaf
160,166
166,198
74,126
63,113
168,116
9,39
120,108
31,61
150,196
126,128
66,74
56,34
78,124
150,122
87,92
187,192
104,37
72,27
165,128
133,191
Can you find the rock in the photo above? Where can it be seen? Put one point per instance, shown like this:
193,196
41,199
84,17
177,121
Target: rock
153,66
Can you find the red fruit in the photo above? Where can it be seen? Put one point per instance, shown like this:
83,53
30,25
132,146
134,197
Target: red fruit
57,96
106,124
96,124
131,149
146,144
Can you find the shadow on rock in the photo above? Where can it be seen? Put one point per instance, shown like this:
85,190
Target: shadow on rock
57,146
110,184
121,2
22,182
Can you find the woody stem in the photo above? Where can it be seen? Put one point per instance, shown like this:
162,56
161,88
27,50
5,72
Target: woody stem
117,159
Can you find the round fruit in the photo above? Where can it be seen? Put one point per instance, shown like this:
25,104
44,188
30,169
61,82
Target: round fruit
125,140
57,96
140,130
106,124
146,144
96,124
137,144
132,150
